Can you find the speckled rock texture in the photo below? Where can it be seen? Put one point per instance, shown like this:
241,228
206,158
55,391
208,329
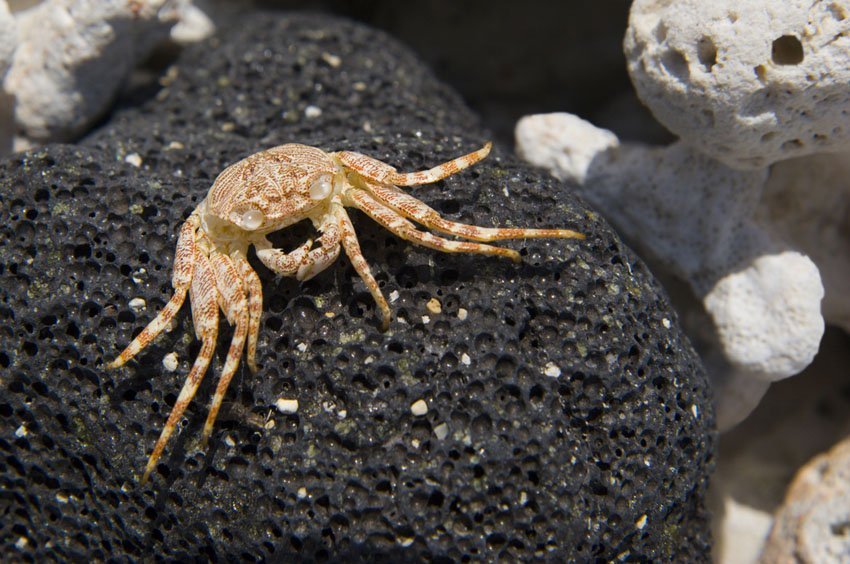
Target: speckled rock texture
568,418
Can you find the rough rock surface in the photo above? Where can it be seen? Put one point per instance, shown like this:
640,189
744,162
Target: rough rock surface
567,416
749,83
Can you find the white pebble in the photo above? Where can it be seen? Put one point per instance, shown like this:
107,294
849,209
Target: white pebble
169,361
666,323
419,408
133,159
641,522
301,347
426,320
464,358
137,304
393,296
441,431
302,493
21,431
228,440
462,313
332,60
434,306
312,111
286,405
552,370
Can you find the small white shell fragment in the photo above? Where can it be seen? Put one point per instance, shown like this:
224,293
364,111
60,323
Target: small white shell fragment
552,370
406,541
285,405
393,296
21,431
441,431
666,323
419,408
426,320
175,145
21,543
641,522
464,359
301,347
61,498
434,306
228,440
169,361
137,304
133,159
301,493
332,60
311,112
462,313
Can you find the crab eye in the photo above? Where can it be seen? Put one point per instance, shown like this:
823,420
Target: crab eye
252,219
321,188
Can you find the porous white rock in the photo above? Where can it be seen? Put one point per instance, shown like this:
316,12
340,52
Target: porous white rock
812,524
8,37
767,315
73,55
697,218
807,201
8,41
749,83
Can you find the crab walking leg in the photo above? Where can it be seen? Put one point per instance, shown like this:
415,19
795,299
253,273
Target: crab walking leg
234,304
204,299
255,306
305,262
410,207
352,250
184,264
407,231
378,171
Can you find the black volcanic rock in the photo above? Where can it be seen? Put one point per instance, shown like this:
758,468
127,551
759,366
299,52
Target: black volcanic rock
609,459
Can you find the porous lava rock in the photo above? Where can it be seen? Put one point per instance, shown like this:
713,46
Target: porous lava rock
567,417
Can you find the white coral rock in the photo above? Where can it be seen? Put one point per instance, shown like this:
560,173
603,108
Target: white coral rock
8,41
73,55
749,83
807,201
697,218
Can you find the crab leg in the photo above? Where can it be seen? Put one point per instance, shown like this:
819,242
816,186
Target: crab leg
204,299
255,306
234,304
184,264
407,231
410,207
378,171
352,250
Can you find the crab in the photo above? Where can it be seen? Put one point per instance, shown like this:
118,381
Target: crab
269,191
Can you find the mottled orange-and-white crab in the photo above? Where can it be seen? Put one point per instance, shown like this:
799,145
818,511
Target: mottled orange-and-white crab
274,189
